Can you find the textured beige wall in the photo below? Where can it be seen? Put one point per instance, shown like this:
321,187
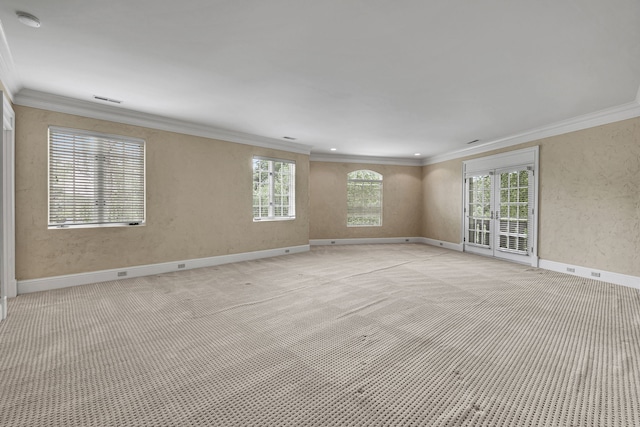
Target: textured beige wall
442,201
401,214
199,203
589,198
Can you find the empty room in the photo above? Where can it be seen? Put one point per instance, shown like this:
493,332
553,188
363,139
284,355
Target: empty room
327,213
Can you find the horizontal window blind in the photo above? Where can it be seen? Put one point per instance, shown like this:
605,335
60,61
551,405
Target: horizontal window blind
364,198
95,179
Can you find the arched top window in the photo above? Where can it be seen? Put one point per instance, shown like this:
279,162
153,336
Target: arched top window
364,175
364,198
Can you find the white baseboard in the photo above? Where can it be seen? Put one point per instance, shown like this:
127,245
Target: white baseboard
382,240
441,243
591,273
605,276
57,282
3,308
363,241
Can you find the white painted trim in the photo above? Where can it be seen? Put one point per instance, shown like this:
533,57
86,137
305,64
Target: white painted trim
35,99
62,104
441,244
365,160
386,240
605,276
529,156
603,117
535,260
363,241
6,65
522,157
58,282
7,202
3,308
463,198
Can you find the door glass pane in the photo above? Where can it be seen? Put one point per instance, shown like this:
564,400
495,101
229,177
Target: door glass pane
479,210
514,211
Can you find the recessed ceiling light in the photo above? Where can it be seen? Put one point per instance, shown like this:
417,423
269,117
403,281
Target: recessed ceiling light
416,154
28,19
333,149
290,138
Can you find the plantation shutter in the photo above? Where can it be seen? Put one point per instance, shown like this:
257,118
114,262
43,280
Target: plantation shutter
95,179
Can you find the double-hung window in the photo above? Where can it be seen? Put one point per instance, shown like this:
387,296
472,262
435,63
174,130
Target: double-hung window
95,179
364,198
274,189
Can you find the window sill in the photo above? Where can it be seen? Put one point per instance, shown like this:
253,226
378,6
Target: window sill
67,227
274,219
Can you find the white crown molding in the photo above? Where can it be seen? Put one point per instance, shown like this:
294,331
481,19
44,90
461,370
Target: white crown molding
58,282
62,104
603,117
35,99
6,65
365,160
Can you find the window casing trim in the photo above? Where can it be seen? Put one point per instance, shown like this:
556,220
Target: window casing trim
271,216
379,183
104,136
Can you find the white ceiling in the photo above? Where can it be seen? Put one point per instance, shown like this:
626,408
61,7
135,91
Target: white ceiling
370,78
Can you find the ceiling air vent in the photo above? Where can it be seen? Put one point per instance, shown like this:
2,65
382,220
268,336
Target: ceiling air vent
104,98
473,142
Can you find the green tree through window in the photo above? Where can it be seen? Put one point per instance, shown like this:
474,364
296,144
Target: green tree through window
274,183
364,198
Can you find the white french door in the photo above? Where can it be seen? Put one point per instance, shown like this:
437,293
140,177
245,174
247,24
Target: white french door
499,211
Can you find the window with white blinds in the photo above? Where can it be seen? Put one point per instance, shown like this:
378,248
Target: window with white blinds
95,179
274,189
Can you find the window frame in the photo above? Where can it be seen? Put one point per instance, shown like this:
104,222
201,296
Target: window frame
272,194
365,181
102,141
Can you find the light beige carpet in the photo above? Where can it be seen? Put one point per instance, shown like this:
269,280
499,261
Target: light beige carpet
396,335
